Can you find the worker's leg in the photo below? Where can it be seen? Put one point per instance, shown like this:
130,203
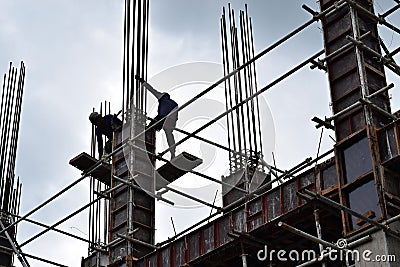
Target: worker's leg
108,146
170,141
169,125
157,94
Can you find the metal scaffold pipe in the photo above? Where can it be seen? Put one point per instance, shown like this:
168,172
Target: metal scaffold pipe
54,229
338,206
106,192
276,81
16,248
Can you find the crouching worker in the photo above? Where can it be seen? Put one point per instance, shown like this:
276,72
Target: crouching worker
167,114
106,125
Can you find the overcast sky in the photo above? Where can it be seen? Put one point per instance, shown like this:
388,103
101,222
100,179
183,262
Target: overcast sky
73,55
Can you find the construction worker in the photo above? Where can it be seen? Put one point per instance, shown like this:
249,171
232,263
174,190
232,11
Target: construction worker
106,125
166,114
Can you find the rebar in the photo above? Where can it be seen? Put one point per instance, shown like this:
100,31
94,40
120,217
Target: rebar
10,115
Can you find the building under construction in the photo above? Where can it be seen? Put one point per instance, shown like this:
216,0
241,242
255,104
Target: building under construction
339,209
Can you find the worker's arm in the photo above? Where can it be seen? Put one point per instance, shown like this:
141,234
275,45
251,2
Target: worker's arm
146,85
151,89
115,123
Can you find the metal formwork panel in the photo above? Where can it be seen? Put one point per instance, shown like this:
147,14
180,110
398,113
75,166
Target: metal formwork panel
142,219
354,74
344,70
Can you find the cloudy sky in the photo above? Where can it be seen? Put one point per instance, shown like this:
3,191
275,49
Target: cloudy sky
73,55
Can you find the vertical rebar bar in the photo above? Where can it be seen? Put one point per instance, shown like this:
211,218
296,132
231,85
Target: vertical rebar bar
10,187
239,87
235,87
251,77
245,78
228,81
224,63
247,126
146,37
138,31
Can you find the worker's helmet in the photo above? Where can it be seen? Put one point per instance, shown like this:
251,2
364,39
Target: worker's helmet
94,116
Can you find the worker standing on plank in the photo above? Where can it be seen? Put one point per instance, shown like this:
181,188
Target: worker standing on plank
106,125
167,114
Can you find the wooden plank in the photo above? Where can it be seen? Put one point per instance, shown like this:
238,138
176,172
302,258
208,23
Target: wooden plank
84,162
179,166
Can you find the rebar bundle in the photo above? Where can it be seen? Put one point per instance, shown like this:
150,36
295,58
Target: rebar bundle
10,114
244,128
135,54
99,211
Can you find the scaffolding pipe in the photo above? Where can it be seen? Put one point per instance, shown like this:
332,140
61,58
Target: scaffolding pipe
84,175
61,221
192,198
142,189
374,228
46,202
380,20
343,48
338,206
244,256
384,47
15,248
389,63
55,229
390,11
340,113
219,146
384,89
319,233
133,240
43,260
307,236
356,104
380,110
394,52
106,192
193,172
244,260
276,81
248,237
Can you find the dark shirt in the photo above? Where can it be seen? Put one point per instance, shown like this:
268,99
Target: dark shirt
111,123
165,105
